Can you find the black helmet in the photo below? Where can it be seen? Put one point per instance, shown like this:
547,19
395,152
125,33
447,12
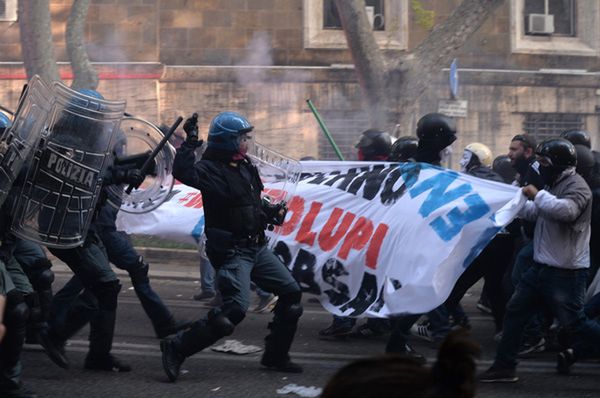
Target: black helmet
404,148
577,137
436,131
374,145
559,153
585,160
503,166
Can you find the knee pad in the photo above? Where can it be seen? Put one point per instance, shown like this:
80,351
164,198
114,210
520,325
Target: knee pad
107,293
140,273
43,280
17,310
225,320
289,306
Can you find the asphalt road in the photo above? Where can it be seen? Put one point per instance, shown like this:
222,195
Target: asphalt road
212,374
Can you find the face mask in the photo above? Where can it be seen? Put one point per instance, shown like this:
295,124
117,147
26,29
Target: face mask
549,174
466,159
445,154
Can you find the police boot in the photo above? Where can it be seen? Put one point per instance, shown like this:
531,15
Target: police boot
15,316
102,328
171,327
201,335
35,322
277,346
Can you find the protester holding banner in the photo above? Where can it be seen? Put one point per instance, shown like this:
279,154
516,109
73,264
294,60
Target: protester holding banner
562,214
436,132
373,145
235,220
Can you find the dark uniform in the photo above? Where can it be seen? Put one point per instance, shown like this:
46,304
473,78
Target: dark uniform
236,218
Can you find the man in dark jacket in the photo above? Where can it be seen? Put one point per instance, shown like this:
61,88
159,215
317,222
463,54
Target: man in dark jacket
236,218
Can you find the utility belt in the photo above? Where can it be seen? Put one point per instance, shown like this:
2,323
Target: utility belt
250,241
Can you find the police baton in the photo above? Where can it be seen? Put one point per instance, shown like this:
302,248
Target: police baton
159,147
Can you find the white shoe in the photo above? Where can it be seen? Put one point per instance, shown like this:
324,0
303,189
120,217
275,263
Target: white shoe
266,304
422,332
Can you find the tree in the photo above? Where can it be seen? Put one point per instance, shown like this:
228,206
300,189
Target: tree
85,76
37,47
36,39
405,78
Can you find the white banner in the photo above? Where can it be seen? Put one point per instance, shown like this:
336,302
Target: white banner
371,239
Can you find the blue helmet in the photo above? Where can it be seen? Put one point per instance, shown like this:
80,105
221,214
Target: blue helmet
225,130
5,122
90,93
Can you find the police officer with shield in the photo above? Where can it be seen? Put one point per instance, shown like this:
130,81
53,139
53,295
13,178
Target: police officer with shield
236,218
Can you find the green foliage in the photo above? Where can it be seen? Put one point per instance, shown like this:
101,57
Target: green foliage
152,241
425,18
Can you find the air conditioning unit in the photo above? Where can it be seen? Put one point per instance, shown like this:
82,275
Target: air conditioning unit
541,24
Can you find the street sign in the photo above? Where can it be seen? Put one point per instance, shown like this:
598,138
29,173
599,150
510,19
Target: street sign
453,108
454,79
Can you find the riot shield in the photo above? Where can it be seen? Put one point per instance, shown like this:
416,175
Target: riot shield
64,178
279,174
28,124
141,136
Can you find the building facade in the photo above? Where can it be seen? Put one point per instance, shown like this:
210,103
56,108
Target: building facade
533,66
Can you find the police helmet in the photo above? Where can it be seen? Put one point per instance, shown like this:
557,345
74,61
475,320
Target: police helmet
404,148
5,122
558,152
483,153
436,131
577,137
374,144
225,130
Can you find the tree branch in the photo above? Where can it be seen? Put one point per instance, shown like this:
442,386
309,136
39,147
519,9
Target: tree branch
85,75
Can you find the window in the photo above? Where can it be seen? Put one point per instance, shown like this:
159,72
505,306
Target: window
322,27
548,125
562,27
8,10
375,14
560,12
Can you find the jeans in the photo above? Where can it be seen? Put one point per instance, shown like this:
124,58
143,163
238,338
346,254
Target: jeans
207,276
563,291
123,255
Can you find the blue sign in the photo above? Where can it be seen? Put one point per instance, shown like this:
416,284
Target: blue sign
454,79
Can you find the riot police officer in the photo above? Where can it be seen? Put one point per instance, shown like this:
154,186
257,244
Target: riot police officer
236,246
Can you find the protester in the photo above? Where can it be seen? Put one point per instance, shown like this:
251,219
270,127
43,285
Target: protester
558,277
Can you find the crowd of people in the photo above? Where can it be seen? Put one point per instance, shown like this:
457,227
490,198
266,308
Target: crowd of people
536,271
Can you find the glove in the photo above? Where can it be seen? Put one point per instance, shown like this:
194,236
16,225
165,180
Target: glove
275,212
133,177
191,130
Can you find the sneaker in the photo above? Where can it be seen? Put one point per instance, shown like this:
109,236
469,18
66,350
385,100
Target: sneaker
460,323
286,366
266,304
335,331
107,363
498,375
410,352
204,295
532,346
215,302
422,332
484,307
564,360
366,332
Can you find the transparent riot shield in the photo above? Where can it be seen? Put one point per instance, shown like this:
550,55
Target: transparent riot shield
279,174
64,178
29,122
140,136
